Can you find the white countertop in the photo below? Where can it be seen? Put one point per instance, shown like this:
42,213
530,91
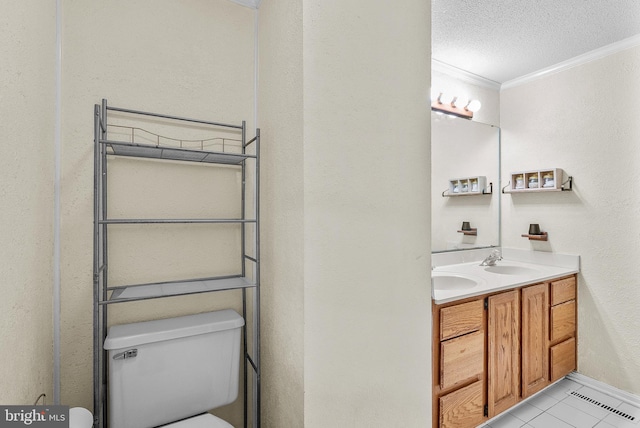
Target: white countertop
518,268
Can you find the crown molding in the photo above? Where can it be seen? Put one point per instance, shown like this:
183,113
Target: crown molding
576,61
463,75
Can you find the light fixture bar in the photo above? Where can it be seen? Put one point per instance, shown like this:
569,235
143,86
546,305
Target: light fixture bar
458,106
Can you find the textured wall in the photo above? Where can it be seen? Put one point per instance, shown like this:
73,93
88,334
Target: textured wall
584,120
27,100
281,123
193,58
366,214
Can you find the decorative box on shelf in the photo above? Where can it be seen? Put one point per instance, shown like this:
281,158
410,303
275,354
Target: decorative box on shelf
467,186
542,180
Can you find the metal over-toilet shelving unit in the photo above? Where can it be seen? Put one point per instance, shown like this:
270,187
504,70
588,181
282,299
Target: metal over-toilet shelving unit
118,132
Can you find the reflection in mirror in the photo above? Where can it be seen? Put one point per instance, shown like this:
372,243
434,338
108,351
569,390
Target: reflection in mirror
461,151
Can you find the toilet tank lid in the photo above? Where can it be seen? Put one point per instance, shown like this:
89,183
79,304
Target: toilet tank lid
139,333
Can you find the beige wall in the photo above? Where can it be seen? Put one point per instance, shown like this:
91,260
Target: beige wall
193,58
27,109
281,123
346,197
366,213
585,121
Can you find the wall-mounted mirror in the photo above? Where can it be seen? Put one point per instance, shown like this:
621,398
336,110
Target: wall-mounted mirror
461,151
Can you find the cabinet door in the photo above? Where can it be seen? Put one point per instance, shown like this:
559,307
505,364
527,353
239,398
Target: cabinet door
503,352
535,327
462,408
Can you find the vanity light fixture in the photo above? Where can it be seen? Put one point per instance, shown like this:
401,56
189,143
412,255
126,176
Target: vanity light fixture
454,105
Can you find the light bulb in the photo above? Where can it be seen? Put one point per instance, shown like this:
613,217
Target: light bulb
445,98
461,102
474,106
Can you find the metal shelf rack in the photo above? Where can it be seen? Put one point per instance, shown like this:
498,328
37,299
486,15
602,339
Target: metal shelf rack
144,144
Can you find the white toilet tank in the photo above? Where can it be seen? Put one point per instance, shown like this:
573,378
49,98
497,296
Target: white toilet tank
165,370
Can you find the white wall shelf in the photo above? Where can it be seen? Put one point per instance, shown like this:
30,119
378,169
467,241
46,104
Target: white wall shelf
542,180
177,288
468,186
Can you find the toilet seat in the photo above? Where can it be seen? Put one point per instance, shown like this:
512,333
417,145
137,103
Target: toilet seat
206,420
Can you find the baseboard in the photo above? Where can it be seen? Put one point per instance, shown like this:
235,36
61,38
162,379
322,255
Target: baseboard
628,397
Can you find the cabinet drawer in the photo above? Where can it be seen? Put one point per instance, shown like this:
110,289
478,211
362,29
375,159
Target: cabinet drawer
462,408
461,319
461,358
563,320
563,291
563,359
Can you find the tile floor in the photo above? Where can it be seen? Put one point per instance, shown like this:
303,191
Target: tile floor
556,407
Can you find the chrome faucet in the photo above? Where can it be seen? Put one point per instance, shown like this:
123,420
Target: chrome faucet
492,258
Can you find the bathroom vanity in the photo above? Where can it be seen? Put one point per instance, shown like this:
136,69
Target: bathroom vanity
500,334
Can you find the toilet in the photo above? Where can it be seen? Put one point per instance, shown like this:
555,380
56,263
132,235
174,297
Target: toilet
172,371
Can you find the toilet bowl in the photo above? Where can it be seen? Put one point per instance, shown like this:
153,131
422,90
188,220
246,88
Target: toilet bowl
79,417
203,421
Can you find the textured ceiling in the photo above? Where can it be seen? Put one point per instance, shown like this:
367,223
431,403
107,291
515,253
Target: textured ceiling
501,40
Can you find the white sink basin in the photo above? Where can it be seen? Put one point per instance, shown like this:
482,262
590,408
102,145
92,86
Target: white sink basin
510,270
452,281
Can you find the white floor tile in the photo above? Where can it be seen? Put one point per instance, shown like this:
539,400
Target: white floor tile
600,396
506,420
623,422
525,412
542,401
572,416
620,422
630,410
586,407
546,420
603,424
555,408
559,390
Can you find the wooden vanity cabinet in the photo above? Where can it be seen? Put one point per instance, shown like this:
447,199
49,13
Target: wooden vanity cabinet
563,330
459,364
492,351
